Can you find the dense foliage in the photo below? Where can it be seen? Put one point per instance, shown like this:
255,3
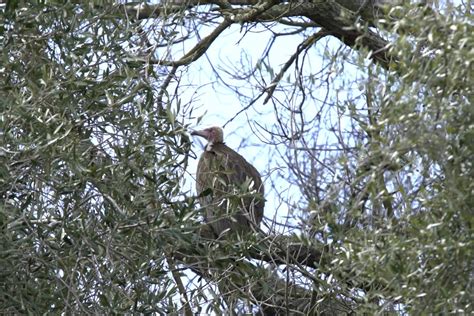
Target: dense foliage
96,215
90,167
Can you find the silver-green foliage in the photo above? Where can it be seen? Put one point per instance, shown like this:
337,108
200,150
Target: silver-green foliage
90,166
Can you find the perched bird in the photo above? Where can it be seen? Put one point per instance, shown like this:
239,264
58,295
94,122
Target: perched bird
231,189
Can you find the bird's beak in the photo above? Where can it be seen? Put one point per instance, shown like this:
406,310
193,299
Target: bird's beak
201,133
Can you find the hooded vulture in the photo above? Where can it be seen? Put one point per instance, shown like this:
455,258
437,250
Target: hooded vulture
230,189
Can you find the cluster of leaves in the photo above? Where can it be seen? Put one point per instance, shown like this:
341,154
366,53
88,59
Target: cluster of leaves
401,218
90,167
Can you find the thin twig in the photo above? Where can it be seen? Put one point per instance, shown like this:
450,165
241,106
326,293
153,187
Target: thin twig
165,85
303,46
180,285
199,49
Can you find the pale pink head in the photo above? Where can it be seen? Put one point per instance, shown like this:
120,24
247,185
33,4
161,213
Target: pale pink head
213,134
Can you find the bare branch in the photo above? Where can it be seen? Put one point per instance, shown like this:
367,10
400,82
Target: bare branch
303,46
200,48
333,17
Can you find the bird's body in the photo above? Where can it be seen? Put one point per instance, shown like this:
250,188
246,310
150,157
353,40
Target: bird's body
231,190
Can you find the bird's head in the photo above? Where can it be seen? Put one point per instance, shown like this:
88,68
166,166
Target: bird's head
213,134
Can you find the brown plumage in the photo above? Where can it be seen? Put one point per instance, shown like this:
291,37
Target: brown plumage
231,189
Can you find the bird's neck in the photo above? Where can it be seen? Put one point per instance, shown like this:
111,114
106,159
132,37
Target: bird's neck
209,146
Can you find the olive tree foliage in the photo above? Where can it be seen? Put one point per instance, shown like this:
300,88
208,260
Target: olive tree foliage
90,166
375,138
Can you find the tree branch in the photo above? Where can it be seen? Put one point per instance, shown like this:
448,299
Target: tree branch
267,290
303,46
200,48
333,17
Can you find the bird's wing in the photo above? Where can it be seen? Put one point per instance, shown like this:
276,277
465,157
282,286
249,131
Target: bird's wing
246,177
227,173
